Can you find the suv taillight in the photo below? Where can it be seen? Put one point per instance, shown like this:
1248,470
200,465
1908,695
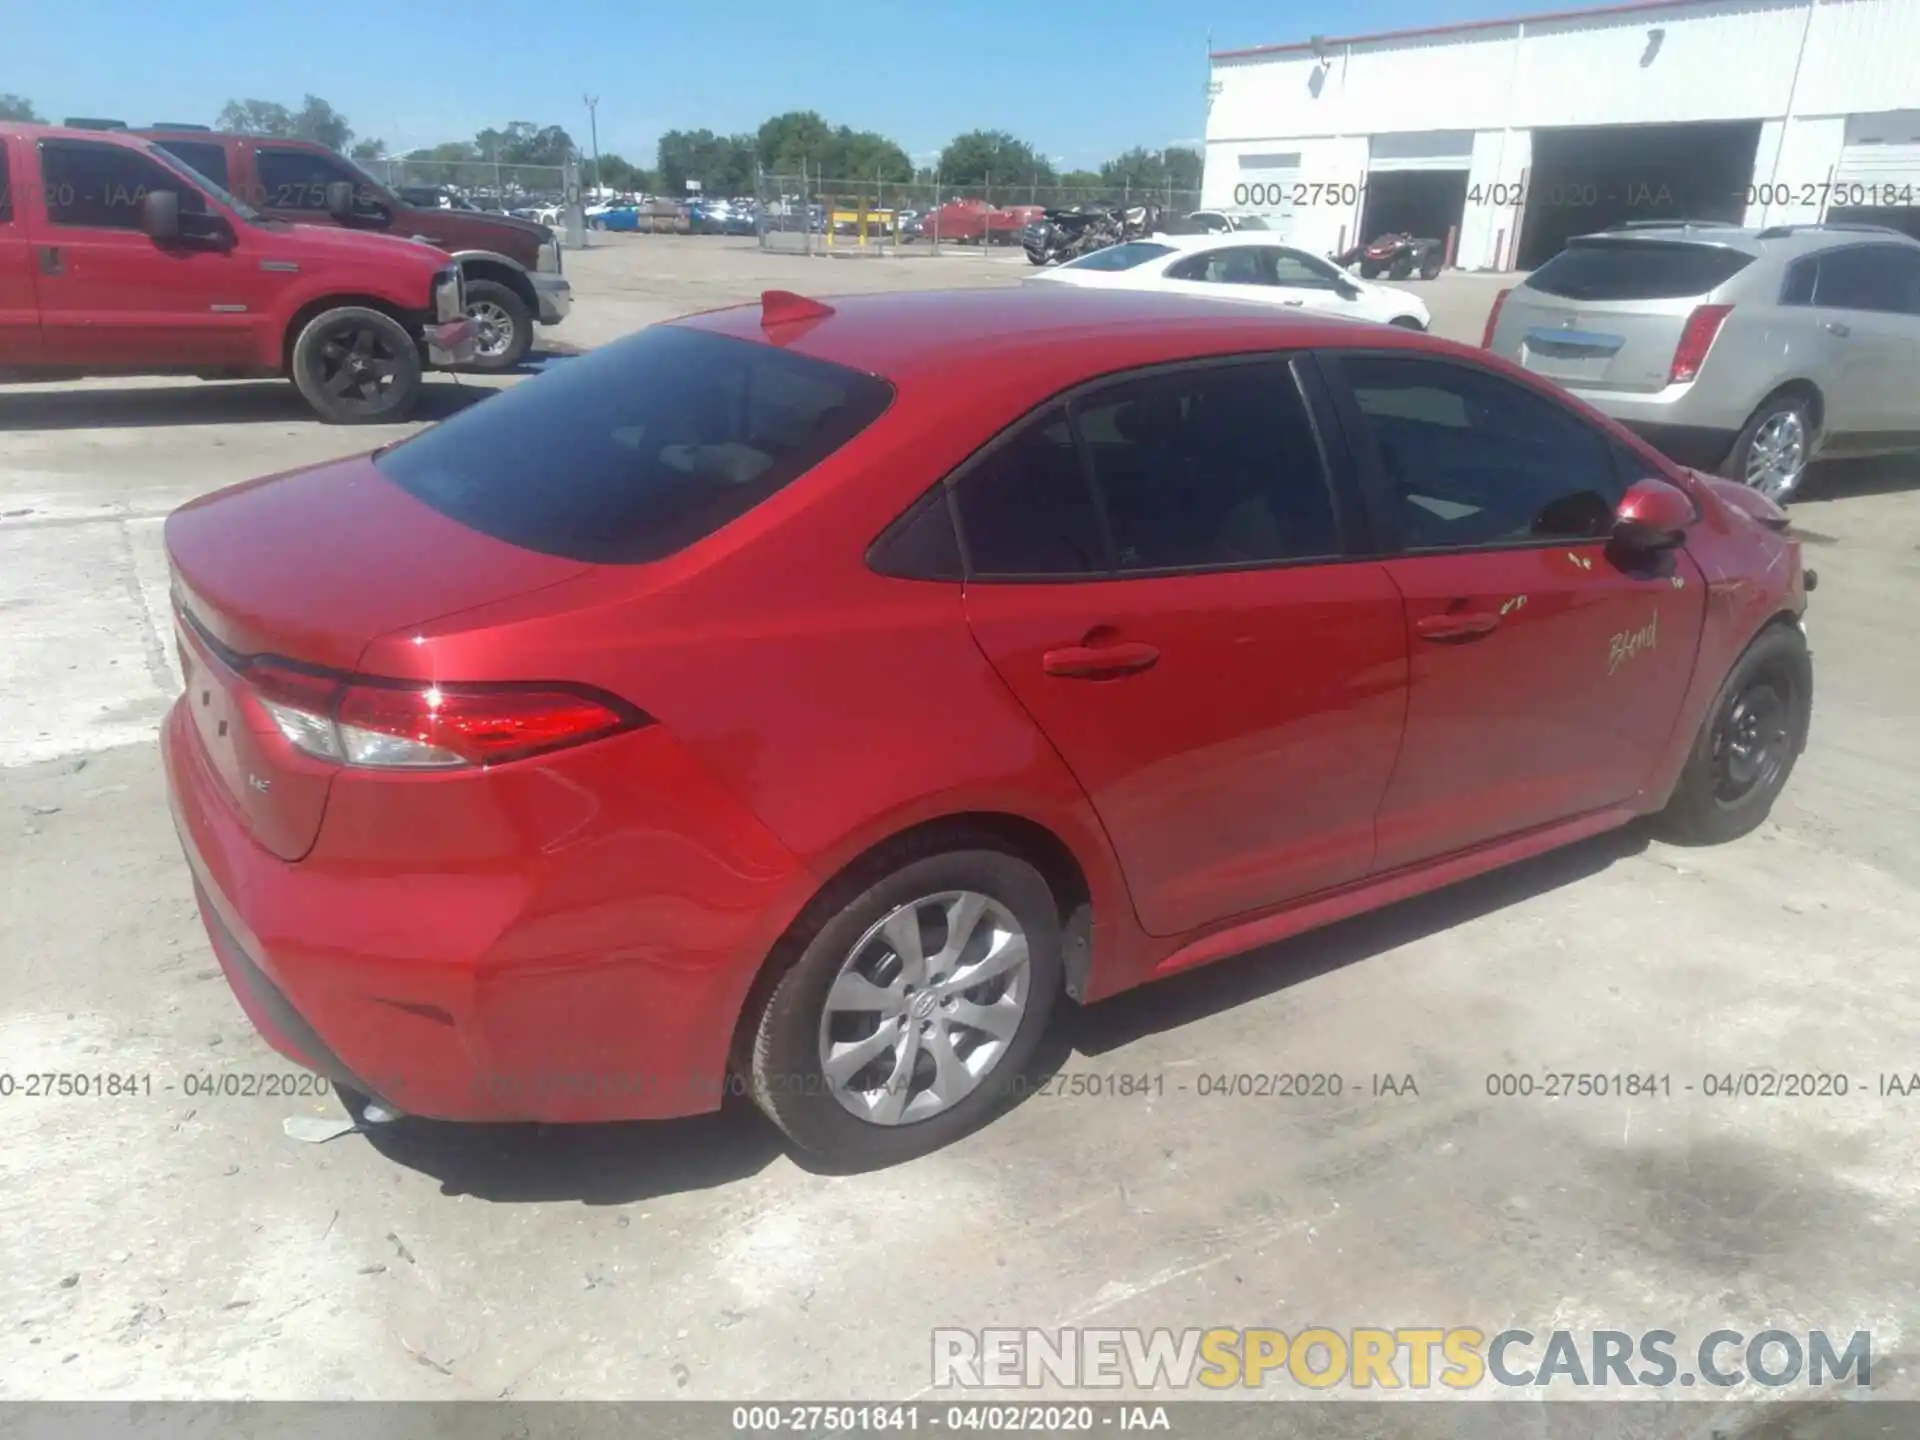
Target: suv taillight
1696,338
409,725
1493,318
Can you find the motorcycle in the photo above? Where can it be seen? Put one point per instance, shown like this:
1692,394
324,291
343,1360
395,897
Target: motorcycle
1062,235
1396,255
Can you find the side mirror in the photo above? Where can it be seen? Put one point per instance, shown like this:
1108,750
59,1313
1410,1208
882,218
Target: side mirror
1346,289
340,199
1652,516
160,214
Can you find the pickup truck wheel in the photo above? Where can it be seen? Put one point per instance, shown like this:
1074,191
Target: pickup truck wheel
357,366
505,325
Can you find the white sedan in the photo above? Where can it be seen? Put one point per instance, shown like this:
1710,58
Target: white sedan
1246,265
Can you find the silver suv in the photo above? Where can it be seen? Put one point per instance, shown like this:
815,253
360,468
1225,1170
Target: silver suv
1745,352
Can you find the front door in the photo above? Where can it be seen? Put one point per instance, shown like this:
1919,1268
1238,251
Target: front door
1185,631
1867,298
1546,679
291,184
112,297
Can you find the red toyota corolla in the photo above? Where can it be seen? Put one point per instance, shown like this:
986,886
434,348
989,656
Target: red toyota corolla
804,698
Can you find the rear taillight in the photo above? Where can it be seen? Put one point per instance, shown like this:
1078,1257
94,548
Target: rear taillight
1696,338
1493,319
408,725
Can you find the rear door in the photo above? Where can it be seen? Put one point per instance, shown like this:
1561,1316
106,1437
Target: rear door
1159,571
1607,312
112,297
1868,298
1546,679
19,305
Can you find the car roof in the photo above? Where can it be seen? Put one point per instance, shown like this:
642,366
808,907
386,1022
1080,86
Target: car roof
1220,239
1044,338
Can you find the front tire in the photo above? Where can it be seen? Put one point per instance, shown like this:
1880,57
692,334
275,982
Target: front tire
1748,743
1774,447
505,324
356,366
1431,265
914,1008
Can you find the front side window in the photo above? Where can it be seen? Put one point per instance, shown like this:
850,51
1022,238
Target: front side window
1474,460
102,186
298,179
1302,271
1865,277
638,449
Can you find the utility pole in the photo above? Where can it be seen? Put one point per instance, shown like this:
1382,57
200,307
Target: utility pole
592,102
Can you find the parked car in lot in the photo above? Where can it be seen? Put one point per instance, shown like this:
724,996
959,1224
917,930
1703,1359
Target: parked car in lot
512,267
1215,222
545,791
974,222
1749,352
1246,265
116,258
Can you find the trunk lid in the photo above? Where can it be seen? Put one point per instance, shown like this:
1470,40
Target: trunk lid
1607,313
311,567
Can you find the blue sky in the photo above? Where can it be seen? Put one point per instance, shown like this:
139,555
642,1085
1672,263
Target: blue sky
1079,79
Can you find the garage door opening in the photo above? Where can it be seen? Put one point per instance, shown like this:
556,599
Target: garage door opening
1588,179
1424,203
1906,220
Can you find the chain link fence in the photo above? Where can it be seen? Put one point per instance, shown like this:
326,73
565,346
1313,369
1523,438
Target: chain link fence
479,183
814,214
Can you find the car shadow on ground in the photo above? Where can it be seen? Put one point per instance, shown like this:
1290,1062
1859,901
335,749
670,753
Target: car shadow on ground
618,1164
1846,479
241,402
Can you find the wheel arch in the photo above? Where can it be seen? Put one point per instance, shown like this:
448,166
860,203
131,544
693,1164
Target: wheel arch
1803,388
1022,836
485,265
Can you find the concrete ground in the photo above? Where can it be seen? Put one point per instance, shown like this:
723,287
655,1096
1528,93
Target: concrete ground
161,1246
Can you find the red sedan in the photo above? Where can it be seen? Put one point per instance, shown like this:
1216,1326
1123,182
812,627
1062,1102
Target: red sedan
803,699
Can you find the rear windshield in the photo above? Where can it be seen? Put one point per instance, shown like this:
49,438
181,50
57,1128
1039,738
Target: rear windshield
1121,257
632,452
1637,270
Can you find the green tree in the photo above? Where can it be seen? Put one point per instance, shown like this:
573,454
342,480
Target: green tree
521,142
619,173
866,155
1154,170
992,156
786,142
1083,180
723,164
446,152
369,149
18,107
315,120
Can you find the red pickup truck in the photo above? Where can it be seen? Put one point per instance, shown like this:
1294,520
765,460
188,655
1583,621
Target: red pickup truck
116,258
512,267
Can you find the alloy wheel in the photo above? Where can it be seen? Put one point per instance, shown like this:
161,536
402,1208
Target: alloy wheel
358,367
493,328
1777,455
924,1007
1753,742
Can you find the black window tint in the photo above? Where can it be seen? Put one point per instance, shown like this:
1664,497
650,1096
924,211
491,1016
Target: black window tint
103,185
1866,277
1473,460
1121,257
1215,466
298,179
1797,288
1025,508
1637,270
1231,265
6,184
209,160
921,544
638,449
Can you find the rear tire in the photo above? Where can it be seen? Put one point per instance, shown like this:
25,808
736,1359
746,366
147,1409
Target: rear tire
1431,265
505,324
1369,270
908,1043
1748,743
1774,447
356,366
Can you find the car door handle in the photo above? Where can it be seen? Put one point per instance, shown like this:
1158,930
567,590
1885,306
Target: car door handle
1456,626
50,259
1098,662
1839,328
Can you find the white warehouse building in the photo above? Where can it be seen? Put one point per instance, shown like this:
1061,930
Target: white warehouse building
1505,137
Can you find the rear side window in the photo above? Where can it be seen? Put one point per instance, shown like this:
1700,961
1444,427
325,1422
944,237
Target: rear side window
634,451
1026,509
1121,257
208,160
1637,270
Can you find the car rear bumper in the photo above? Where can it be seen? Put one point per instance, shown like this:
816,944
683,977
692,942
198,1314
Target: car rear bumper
1680,421
554,294
451,342
468,986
